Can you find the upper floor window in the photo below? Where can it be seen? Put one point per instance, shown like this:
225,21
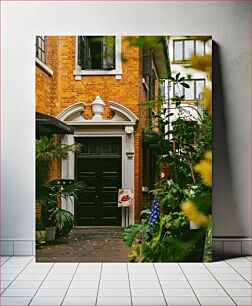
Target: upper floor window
41,48
194,92
183,50
96,52
98,55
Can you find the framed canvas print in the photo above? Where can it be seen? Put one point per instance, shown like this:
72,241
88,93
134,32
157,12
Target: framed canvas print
123,148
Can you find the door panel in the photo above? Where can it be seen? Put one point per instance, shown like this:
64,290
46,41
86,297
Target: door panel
101,176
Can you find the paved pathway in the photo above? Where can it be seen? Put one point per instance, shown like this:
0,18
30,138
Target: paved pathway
87,245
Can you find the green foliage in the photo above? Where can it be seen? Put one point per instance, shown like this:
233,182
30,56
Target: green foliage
48,150
174,222
49,193
170,195
40,226
63,220
207,257
180,149
203,202
132,230
160,247
185,130
145,41
205,135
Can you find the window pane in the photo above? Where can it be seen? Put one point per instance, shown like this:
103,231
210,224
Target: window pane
178,51
108,52
199,47
43,45
96,52
189,92
189,49
199,88
43,57
178,90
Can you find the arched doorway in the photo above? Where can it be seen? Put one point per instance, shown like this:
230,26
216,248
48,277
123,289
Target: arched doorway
106,164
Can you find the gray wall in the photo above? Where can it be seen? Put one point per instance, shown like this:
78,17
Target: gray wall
227,22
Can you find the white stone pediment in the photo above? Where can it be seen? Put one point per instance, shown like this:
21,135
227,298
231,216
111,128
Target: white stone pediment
74,115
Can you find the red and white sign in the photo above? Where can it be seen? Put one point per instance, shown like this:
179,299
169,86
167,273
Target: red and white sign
125,198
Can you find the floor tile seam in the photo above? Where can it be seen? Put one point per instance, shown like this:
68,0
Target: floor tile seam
245,257
237,272
189,283
41,283
235,281
240,265
9,257
16,276
129,280
221,285
70,283
98,287
159,281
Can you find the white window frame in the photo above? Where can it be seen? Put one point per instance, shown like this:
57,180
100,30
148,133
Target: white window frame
42,64
117,72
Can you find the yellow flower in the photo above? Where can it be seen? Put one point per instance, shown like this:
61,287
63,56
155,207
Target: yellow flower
133,255
205,169
193,214
208,99
203,63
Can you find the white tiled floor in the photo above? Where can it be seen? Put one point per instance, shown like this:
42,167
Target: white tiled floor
25,282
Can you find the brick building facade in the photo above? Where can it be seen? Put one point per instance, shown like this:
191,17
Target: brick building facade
66,90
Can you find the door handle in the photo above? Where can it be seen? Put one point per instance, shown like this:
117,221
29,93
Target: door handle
97,197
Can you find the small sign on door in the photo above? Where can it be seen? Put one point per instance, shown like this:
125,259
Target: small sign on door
125,198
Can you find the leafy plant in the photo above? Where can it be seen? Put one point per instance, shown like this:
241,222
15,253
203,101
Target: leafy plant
180,149
49,193
63,219
40,226
175,222
132,230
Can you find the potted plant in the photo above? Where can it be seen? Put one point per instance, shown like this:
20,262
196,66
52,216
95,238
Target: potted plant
40,233
50,192
50,232
58,221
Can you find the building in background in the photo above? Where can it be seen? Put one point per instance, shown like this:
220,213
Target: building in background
181,50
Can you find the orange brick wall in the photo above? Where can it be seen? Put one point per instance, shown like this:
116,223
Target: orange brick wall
54,94
47,85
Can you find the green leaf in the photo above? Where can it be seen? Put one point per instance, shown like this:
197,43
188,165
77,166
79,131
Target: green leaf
185,85
132,230
171,114
177,76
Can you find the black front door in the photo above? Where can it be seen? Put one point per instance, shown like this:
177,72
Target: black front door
98,166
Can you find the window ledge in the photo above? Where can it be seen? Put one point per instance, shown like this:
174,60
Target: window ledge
79,73
184,62
44,66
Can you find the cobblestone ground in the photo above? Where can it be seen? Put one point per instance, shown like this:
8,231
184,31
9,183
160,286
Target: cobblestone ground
86,245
